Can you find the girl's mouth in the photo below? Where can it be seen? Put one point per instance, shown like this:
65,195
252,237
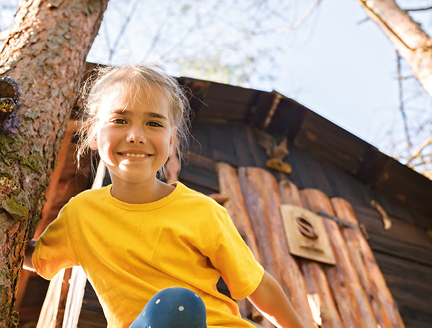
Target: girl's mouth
135,155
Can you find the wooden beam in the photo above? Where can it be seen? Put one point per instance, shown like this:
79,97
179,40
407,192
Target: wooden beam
314,272
75,298
261,194
48,315
353,304
371,278
236,207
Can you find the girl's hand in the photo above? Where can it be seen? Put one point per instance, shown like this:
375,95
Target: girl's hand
28,264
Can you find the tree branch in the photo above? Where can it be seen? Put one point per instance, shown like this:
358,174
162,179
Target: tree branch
416,153
401,101
293,26
418,9
410,40
379,18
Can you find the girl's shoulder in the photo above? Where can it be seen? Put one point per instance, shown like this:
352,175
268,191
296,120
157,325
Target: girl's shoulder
199,200
89,195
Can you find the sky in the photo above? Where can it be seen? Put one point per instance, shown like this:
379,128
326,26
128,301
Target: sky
337,63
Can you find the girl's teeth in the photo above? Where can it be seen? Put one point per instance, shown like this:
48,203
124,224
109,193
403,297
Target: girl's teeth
135,155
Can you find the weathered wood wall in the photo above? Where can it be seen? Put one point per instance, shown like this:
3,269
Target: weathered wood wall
223,132
404,253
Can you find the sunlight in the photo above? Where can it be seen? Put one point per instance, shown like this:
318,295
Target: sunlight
315,305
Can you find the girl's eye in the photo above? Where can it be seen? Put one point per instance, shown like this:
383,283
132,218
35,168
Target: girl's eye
119,121
154,124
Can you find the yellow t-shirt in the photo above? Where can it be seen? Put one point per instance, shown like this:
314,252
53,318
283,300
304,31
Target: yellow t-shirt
131,251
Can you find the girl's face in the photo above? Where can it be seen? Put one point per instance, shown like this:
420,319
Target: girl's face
134,138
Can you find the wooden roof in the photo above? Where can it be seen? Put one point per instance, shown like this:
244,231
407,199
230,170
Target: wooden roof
326,141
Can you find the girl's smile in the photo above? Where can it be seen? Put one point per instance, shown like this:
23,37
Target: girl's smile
134,136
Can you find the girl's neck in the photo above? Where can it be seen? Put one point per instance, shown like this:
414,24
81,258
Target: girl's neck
142,193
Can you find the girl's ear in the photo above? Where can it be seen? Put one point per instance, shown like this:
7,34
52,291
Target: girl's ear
173,137
94,144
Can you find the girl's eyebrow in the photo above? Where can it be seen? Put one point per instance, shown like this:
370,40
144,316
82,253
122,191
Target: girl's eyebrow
126,112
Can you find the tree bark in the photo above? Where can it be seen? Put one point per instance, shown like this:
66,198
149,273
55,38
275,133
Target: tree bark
45,52
407,36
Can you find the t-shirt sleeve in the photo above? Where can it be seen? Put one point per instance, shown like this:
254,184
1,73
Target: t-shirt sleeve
54,249
235,261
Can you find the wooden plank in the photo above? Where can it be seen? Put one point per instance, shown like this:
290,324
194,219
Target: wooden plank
393,207
290,194
261,108
307,171
222,143
199,171
371,278
410,284
242,150
74,298
48,315
258,153
236,207
316,280
200,142
400,231
406,185
353,304
260,191
287,119
331,136
414,310
400,250
317,146
232,93
223,111
411,271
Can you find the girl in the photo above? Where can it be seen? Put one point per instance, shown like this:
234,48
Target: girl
140,237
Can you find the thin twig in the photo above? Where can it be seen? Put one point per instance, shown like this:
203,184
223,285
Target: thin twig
292,26
123,29
417,9
156,37
401,101
416,154
167,54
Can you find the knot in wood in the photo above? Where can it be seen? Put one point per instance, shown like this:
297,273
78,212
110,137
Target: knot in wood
9,95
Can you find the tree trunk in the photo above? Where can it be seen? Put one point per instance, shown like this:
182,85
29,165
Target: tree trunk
407,36
45,52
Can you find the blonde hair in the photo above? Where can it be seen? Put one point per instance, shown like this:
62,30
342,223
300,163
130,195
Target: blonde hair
133,80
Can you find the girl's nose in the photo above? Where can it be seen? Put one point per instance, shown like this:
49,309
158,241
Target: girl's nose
136,136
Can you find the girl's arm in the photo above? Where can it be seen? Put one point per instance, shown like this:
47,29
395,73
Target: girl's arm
28,264
271,301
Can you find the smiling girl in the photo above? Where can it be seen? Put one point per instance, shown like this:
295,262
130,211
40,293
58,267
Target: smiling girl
145,243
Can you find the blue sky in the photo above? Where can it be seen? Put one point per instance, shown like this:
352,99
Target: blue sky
337,64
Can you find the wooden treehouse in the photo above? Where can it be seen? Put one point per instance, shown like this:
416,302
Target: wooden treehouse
345,229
